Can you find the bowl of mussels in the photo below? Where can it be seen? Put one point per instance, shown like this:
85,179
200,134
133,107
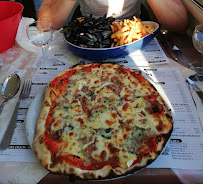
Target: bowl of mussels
105,38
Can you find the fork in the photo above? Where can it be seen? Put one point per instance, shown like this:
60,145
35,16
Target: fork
7,137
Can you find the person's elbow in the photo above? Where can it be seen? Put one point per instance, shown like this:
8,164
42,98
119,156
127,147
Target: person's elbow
180,25
176,23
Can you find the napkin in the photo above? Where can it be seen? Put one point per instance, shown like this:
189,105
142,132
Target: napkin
185,71
21,37
32,174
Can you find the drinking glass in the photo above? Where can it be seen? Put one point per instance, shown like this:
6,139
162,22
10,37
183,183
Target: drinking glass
40,33
197,39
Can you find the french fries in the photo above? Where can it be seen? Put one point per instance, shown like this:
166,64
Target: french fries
128,31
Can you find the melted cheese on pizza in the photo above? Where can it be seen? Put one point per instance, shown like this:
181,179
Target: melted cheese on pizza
107,113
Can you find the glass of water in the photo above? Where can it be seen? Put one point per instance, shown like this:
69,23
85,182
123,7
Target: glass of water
40,33
197,39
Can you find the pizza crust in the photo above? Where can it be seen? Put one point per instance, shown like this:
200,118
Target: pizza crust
41,152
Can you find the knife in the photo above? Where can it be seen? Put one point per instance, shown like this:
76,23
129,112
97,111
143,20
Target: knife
7,137
167,46
195,88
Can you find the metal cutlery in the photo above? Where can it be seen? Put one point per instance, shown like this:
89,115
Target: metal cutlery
195,88
167,46
10,88
7,137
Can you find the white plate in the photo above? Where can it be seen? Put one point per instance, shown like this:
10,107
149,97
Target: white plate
32,116
35,108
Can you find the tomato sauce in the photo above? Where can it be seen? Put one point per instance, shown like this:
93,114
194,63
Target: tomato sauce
135,162
152,145
51,144
61,82
89,68
138,76
94,165
151,98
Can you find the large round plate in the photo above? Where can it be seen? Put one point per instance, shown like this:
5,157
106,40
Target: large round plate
35,108
114,52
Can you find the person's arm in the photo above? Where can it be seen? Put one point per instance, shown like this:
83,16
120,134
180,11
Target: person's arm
56,11
171,14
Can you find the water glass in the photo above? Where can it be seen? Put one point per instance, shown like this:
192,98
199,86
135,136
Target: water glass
40,33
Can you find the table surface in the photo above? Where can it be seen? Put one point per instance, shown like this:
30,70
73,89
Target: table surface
188,55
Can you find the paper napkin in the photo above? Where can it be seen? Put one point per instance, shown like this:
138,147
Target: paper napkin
32,174
21,37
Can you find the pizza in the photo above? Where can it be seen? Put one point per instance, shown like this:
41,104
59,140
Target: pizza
100,120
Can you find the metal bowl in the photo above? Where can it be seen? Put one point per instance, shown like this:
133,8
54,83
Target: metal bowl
113,52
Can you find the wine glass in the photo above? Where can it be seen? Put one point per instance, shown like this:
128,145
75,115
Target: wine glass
40,33
197,39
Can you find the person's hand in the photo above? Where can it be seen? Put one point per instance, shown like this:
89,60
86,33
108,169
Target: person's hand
55,11
171,14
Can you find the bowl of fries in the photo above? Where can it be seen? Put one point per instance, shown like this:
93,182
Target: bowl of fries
128,36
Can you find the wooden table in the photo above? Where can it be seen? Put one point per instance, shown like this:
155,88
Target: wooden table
152,176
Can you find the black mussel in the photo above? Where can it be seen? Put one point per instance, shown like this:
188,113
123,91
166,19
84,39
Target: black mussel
98,21
68,32
90,44
98,45
90,30
110,19
106,33
106,43
83,45
91,36
86,39
98,36
87,24
76,42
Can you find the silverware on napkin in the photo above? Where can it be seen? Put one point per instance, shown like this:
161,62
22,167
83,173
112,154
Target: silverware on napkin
195,88
7,137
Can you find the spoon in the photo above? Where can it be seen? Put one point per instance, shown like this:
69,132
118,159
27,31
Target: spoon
10,88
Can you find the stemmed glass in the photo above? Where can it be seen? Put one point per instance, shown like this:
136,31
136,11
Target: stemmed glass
40,33
197,39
